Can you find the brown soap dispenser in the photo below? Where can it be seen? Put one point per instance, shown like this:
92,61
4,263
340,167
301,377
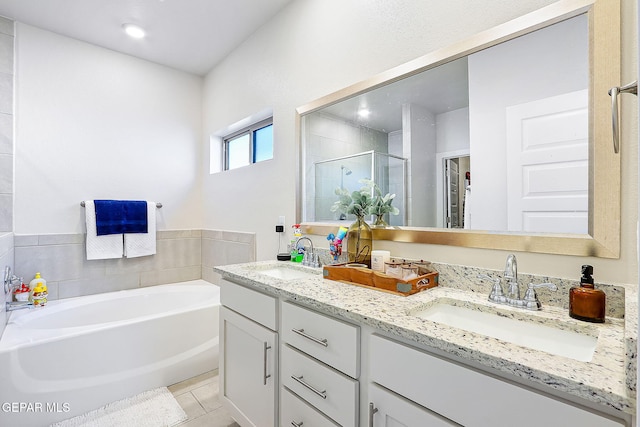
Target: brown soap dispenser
586,302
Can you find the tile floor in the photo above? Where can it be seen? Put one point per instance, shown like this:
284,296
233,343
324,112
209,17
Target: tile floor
198,396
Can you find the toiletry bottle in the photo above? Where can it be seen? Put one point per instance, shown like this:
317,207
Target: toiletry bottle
586,302
37,281
297,233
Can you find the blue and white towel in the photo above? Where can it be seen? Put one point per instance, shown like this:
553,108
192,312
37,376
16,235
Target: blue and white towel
142,244
121,216
100,247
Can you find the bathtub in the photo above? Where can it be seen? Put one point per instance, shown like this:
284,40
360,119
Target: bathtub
77,354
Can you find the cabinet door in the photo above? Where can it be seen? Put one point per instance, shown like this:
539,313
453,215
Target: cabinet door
248,370
387,409
467,396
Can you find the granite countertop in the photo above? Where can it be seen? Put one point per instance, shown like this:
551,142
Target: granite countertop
605,380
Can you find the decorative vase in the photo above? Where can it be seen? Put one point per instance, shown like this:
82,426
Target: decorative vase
359,242
380,222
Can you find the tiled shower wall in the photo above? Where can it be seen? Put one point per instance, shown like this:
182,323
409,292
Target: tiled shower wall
6,125
329,137
6,258
181,255
6,153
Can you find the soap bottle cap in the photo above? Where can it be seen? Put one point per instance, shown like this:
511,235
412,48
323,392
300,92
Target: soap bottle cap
586,278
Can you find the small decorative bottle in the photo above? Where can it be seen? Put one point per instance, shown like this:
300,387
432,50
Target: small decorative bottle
586,302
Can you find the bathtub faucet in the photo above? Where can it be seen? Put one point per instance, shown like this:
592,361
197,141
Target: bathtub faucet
12,306
9,280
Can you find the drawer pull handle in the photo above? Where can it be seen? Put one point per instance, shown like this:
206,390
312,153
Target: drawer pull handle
372,412
295,424
266,347
309,337
322,394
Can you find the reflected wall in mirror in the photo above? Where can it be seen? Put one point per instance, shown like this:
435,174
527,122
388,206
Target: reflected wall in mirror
517,112
520,113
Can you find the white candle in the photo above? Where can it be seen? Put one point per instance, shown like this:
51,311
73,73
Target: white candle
378,258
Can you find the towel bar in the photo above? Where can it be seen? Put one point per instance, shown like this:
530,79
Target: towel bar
158,205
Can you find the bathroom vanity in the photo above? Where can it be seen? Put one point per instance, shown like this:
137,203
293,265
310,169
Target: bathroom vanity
299,350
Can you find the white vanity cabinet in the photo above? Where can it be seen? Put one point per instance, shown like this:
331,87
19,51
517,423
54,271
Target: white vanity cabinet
388,409
463,395
284,364
320,365
248,355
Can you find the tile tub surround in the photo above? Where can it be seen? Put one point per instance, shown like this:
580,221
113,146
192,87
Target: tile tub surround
182,255
602,381
6,124
6,259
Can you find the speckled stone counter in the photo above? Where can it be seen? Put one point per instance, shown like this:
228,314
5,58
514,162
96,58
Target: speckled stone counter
604,380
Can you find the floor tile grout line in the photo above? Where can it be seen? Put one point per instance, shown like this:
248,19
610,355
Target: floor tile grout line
199,403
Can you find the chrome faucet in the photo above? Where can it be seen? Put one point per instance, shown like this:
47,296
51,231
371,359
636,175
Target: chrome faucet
18,305
512,298
511,276
310,258
9,287
9,280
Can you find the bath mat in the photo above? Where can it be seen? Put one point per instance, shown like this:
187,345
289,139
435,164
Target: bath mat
153,408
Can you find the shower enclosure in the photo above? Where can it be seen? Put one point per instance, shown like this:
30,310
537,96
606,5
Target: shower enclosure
386,170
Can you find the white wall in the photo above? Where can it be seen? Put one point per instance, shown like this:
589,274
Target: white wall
310,49
419,146
521,63
92,123
452,130
75,101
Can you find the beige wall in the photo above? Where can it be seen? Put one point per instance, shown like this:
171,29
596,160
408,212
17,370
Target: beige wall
315,47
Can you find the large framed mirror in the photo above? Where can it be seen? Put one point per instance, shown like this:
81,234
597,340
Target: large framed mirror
500,141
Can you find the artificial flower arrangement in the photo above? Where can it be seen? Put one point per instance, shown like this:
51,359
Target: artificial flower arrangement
361,202
382,205
357,203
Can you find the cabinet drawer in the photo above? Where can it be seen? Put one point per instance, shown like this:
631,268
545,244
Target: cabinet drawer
331,392
467,396
296,412
332,341
257,306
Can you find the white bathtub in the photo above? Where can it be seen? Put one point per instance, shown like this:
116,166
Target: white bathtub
78,354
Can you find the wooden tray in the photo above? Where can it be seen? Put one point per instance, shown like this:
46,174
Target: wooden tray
362,276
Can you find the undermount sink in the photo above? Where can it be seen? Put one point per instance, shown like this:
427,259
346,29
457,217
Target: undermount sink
287,272
535,336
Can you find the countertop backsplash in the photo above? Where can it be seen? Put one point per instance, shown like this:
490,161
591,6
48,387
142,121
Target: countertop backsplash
466,278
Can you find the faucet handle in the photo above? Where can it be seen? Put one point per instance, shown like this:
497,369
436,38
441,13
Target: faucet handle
497,294
316,261
531,301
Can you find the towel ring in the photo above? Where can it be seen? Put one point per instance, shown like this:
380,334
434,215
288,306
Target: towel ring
158,204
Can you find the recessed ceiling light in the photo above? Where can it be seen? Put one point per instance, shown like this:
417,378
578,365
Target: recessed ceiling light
364,113
133,31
